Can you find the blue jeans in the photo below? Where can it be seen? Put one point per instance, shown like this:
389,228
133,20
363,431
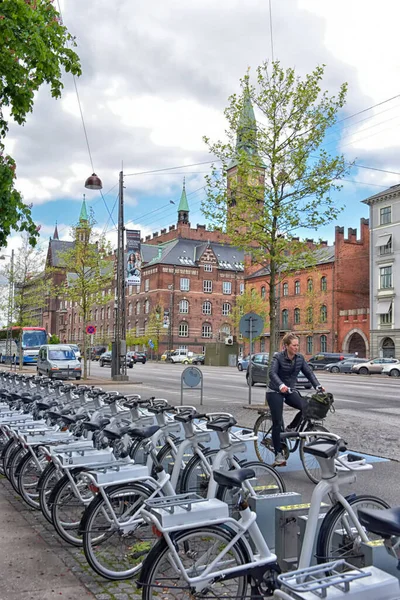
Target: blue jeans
275,402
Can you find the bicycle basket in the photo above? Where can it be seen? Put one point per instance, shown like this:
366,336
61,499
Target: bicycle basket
318,405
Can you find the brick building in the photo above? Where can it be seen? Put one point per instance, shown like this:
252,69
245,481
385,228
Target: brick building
327,305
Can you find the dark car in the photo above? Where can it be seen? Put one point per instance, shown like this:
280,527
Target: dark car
105,359
95,352
138,357
198,359
319,361
259,367
344,366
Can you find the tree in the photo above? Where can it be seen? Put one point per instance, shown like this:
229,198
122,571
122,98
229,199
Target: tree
34,49
155,329
250,301
90,272
276,177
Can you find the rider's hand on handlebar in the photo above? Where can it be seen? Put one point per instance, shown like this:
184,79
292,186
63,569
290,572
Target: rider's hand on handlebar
284,389
320,388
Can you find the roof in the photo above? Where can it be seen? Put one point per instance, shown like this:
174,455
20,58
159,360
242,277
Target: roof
393,190
83,215
56,248
183,204
323,255
188,252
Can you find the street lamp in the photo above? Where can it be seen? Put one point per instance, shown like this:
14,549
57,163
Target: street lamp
10,304
118,366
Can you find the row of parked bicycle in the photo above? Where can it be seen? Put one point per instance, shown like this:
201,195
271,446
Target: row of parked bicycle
137,485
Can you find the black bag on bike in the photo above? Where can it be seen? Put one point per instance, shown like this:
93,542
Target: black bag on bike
318,405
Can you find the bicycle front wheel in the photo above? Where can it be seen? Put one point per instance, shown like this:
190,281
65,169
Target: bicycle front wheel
46,484
338,536
309,462
263,445
197,548
67,508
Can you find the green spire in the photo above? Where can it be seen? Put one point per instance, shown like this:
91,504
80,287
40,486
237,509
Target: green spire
183,204
83,216
246,138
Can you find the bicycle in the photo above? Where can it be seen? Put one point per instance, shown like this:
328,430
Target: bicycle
264,447
204,552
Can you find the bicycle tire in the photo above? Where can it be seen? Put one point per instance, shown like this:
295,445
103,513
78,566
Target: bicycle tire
110,550
166,457
3,441
333,532
15,457
263,444
310,464
28,474
46,483
6,453
67,510
158,568
194,477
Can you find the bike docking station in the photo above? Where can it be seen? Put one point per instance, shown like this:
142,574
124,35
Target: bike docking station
192,379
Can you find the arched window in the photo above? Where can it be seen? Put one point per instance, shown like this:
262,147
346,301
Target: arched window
226,329
206,308
184,307
226,309
324,314
147,307
309,285
129,308
285,319
109,312
138,308
309,344
183,329
206,331
137,328
324,284
263,293
102,314
297,316
324,343
96,314
145,325
310,313
297,287
285,289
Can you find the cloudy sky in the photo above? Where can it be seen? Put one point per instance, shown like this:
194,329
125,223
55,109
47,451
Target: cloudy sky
156,78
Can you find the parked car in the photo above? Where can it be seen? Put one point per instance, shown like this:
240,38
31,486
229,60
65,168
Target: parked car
391,370
259,367
375,365
243,362
344,366
319,361
76,350
137,357
95,352
181,356
58,361
166,355
197,359
106,359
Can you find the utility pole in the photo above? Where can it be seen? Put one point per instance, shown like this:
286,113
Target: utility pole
119,345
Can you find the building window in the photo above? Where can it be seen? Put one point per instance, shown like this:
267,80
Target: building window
324,284
183,330
226,309
102,314
385,215
109,311
324,314
138,308
386,277
310,314
185,284
208,268
207,286
137,328
206,331
297,316
241,289
147,307
309,344
227,287
324,343
297,287
146,285
129,309
206,308
285,319
226,329
145,325
184,307
285,289
309,285
387,248
262,344
263,293
386,319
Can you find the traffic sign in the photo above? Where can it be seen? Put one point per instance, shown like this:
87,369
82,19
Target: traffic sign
151,344
192,376
91,329
251,325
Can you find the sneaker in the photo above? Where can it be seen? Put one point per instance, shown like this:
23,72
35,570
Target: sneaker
280,460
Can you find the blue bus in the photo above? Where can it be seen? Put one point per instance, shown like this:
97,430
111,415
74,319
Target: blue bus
30,337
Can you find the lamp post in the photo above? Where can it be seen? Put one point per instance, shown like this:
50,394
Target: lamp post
10,303
118,365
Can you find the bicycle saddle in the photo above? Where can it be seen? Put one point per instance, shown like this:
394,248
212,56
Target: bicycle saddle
232,479
143,433
384,522
325,448
221,423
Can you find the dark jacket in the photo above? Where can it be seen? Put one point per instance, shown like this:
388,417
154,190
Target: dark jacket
285,371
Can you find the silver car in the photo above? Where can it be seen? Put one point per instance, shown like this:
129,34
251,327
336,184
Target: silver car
58,361
373,366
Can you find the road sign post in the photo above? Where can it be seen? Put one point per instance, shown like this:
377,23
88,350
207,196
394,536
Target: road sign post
251,325
192,378
90,330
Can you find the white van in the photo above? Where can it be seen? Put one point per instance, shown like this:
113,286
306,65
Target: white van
58,361
180,356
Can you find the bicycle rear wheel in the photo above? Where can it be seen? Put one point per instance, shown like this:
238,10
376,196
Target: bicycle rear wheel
46,484
28,474
197,549
263,444
309,462
67,508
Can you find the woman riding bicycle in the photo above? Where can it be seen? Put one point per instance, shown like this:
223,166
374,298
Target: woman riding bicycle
283,372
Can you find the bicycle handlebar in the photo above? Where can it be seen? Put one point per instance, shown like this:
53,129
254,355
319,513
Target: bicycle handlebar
304,434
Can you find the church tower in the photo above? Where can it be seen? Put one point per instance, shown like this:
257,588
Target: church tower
83,227
183,208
